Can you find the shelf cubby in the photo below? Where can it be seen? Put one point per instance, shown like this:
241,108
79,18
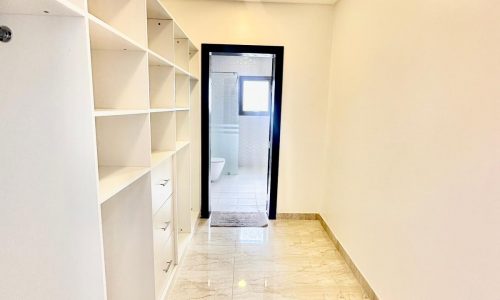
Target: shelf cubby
156,10
181,46
179,33
123,150
163,132
161,38
192,48
183,126
105,37
194,63
182,53
162,87
127,16
182,86
193,86
128,243
120,79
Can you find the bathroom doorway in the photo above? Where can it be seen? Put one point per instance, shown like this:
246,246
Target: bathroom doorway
240,128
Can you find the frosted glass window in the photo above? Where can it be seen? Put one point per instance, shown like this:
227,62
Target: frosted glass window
255,95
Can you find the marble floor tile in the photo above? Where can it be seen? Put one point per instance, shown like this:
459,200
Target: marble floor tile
289,259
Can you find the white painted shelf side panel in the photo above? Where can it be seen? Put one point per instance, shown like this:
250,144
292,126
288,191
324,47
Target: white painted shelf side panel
128,243
48,207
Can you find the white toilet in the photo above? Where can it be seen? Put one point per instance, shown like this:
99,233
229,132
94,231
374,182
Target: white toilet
216,166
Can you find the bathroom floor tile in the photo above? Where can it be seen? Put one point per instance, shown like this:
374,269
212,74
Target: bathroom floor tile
244,192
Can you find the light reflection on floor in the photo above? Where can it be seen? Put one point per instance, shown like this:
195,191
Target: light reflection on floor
290,259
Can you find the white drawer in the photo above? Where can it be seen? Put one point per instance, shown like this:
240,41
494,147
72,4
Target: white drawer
162,226
162,219
164,264
161,181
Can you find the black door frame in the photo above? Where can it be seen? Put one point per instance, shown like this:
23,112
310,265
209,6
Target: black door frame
206,49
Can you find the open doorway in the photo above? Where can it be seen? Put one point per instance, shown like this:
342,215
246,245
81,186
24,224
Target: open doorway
240,128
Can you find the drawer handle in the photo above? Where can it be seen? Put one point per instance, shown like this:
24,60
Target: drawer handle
169,263
164,183
166,226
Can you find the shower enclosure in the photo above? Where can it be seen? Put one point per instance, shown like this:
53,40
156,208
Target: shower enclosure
224,119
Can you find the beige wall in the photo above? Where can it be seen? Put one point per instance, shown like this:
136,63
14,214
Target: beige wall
305,31
414,145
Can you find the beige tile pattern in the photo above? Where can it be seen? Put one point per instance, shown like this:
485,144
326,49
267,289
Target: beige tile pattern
290,259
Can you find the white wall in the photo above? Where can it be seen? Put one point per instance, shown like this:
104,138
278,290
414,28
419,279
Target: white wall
305,31
414,145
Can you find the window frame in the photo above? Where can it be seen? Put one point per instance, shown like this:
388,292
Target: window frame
242,80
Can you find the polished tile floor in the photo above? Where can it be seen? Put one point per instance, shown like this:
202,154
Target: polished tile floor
244,192
290,259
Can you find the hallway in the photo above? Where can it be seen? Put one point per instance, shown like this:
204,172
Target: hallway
289,259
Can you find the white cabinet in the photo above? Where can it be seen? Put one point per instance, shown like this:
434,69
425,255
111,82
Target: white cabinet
164,246
96,106
163,220
164,266
161,183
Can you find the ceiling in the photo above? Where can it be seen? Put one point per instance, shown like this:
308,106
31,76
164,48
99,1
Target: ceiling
328,2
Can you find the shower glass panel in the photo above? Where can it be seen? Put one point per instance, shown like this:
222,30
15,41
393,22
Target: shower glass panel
224,119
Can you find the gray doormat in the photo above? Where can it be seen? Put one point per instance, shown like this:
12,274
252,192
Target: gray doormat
238,219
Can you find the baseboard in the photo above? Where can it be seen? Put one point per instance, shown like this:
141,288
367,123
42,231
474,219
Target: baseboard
297,216
313,216
361,279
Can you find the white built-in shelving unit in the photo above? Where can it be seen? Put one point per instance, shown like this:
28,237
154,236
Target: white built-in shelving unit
136,77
